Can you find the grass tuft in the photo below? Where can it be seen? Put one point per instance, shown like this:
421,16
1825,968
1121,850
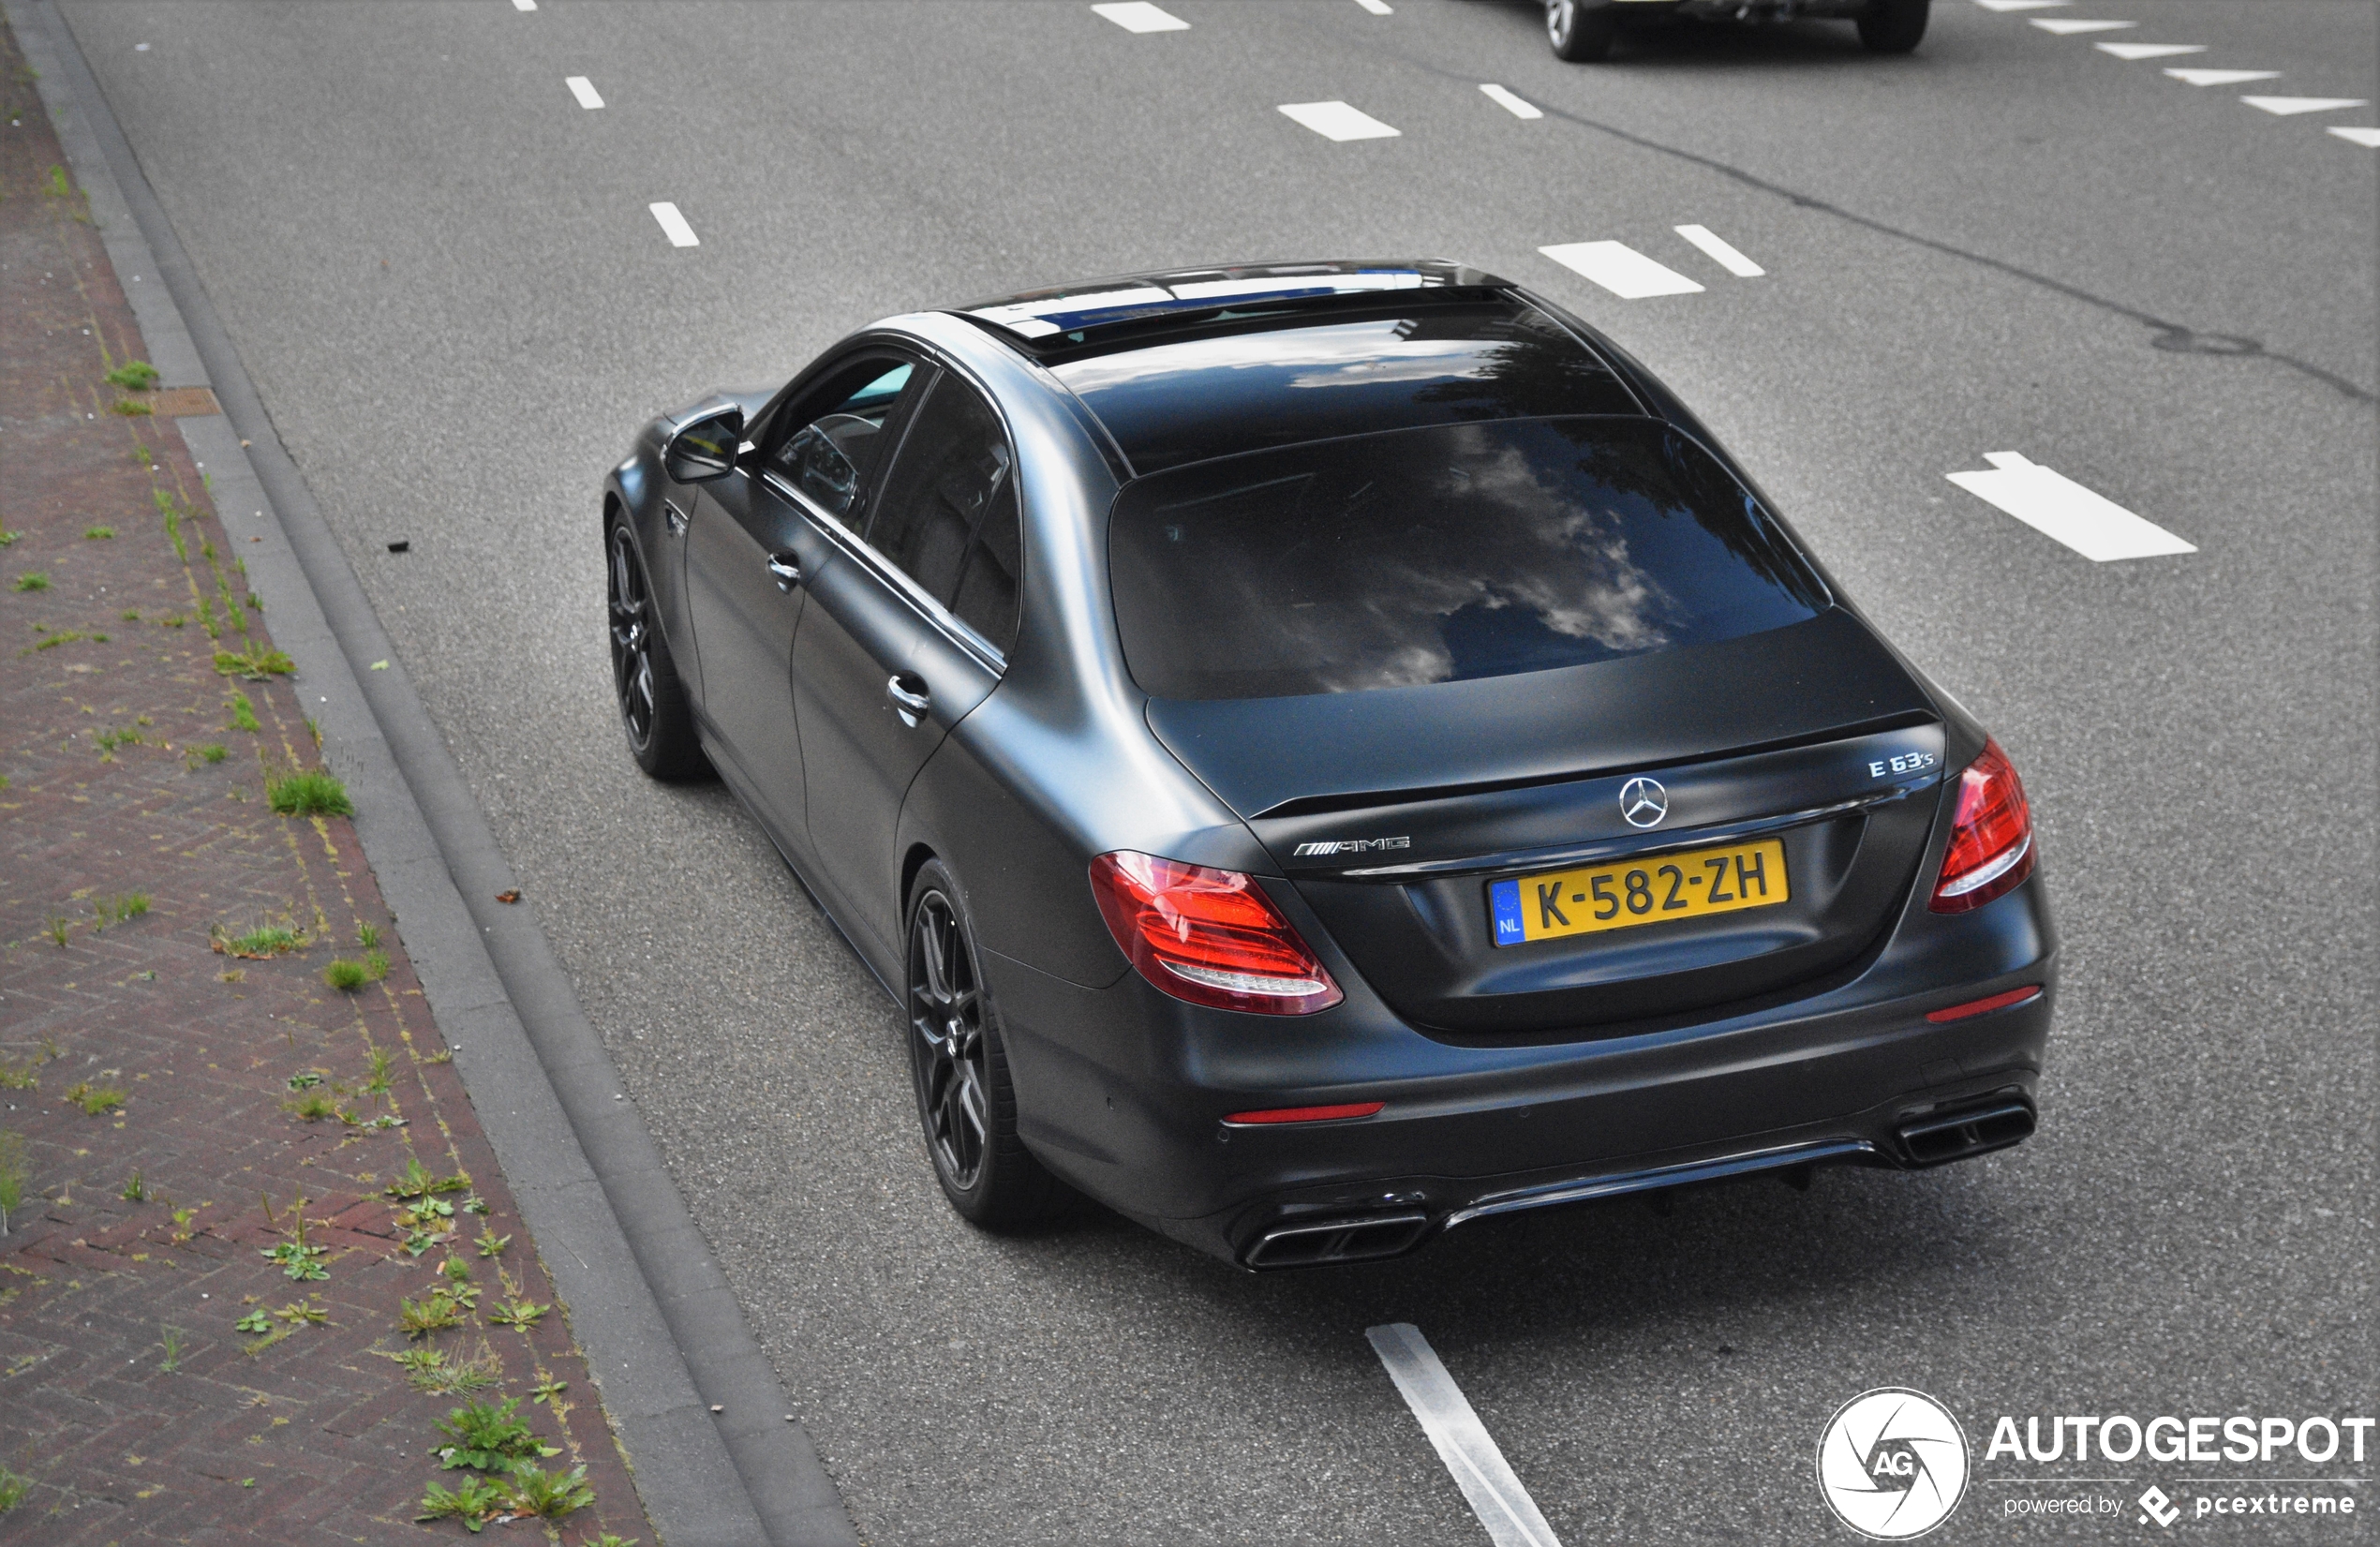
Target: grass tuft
243,713
131,408
313,1106
32,580
255,666
134,1190
345,975
307,792
264,941
95,1100
15,1173
214,751
13,1487
133,376
98,535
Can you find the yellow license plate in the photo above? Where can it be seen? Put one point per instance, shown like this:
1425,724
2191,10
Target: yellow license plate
1721,880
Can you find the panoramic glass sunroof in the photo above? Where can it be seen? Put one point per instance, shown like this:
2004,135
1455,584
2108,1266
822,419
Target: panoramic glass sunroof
1243,384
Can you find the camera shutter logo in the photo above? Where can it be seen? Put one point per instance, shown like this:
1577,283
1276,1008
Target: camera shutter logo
1892,1463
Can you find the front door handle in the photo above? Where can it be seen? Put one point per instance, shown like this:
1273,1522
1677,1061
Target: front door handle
785,569
910,706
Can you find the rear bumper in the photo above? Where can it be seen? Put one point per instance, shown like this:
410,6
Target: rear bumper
1123,1092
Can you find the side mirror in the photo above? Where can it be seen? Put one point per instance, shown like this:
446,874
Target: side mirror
703,447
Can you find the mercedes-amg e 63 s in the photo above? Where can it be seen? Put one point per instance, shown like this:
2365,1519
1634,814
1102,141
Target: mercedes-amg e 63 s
1324,753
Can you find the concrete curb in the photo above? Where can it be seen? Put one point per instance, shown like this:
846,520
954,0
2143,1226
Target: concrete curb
653,1313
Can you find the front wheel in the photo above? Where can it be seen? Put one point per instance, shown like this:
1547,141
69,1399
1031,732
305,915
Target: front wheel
964,1096
1579,33
645,686
1893,26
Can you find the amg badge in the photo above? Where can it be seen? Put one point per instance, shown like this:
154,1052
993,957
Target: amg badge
1351,845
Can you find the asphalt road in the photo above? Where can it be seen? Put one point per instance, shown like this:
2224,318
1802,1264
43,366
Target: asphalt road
442,274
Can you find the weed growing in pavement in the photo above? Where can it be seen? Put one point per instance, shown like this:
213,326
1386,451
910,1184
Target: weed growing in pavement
32,580
487,1438
254,1321
57,929
345,975
306,1080
134,1190
432,1370
130,615
377,1081
255,666
375,965
95,1100
474,1501
474,1205
259,943
121,910
13,1487
313,1107
419,1181
306,1312
98,535
58,187
548,1495
15,1172
8,537
17,1074
131,408
172,1340
367,935
145,456
314,729
490,1243
51,641
307,792
110,740
519,1314
243,713
433,1314
298,1262
214,751
550,1393
133,376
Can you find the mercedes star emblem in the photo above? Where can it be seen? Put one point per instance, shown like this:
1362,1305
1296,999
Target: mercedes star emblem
1643,802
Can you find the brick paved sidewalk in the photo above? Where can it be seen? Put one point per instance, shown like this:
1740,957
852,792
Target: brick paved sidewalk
204,1288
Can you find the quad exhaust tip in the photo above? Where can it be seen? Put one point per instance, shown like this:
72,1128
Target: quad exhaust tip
1958,1136
1338,1240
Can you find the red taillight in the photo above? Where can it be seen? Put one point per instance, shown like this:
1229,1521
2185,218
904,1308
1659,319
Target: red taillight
1309,1114
1986,1005
1208,936
1991,836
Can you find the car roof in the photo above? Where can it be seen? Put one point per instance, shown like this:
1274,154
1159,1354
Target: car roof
1192,364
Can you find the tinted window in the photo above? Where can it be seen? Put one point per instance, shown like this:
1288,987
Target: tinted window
954,465
830,442
1240,386
988,584
1442,554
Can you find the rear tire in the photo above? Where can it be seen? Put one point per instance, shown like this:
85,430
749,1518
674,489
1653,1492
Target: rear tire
1579,33
653,711
1893,26
965,1098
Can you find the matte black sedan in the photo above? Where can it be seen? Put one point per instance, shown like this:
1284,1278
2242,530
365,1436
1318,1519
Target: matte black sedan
1324,753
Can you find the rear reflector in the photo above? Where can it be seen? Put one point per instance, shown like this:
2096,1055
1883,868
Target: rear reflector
1985,1007
1308,1114
1208,935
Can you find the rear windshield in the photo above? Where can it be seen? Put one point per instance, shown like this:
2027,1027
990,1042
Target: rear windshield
1439,555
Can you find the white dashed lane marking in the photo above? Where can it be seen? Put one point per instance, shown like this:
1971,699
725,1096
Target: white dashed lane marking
2056,506
674,225
2222,78
1723,255
585,91
2064,28
1141,16
523,5
1338,121
1461,1440
1377,7
1621,269
2022,4
2368,139
1510,103
2150,51
2286,107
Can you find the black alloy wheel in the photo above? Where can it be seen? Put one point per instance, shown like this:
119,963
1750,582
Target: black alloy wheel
964,1097
1578,32
652,702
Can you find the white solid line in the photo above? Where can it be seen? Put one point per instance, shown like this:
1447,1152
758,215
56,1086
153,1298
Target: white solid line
1725,256
2149,51
584,90
1377,7
2285,106
1510,103
1462,1441
1141,16
2368,139
1337,121
2056,506
1621,269
2064,28
2222,78
674,224
2022,4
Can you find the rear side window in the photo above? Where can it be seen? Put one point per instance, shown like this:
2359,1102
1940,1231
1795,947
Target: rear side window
1439,555
948,516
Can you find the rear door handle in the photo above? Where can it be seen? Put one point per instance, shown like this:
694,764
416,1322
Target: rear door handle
785,569
911,707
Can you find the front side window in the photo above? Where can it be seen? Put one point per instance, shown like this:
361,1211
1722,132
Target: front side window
1439,555
832,446
948,516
